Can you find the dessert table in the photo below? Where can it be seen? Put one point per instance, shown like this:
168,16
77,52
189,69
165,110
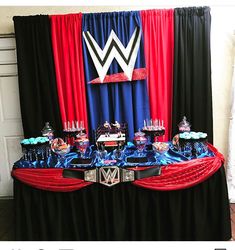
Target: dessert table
188,201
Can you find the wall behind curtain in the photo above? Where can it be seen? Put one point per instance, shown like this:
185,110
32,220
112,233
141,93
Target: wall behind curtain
222,56
231,147
38,92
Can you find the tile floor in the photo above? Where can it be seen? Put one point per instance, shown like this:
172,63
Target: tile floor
232,211
6,220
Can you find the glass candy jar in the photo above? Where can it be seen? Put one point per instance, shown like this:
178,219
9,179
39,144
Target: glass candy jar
82,143
140,141
184,125
58,146
48,131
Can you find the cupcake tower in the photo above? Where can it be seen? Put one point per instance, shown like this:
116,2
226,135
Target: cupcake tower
190,143
193,136
194,140
35,148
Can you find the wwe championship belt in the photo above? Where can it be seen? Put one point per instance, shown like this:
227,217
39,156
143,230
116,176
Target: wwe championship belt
111,175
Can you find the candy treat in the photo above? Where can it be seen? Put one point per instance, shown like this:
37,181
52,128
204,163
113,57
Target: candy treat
58,146
71,129
160,147
82,143
140,141
153,128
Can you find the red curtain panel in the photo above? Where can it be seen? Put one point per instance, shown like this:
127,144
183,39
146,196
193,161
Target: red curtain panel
158,30
66,33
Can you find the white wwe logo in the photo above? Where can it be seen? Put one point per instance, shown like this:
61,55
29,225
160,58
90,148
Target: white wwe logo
109,176
114,48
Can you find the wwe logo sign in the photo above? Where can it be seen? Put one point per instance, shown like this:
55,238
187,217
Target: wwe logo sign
109,176
114,49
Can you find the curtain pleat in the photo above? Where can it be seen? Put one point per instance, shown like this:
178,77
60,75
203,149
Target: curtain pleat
67,48
124,212
37,85
127,101
158,30
192,94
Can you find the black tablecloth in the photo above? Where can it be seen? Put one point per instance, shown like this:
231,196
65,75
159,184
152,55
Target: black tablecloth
124,212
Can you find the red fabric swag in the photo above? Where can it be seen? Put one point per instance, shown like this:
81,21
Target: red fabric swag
66,33
174,177
48,179
184,174
158,30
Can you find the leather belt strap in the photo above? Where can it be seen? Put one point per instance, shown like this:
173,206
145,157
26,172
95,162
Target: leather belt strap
69,173
140,174
111,175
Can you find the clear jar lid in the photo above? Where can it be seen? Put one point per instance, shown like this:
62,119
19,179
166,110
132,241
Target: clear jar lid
184,125
82,136
47,129
139,134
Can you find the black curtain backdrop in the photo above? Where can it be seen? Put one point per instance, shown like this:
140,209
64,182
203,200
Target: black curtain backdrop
124,212
192,94
37,84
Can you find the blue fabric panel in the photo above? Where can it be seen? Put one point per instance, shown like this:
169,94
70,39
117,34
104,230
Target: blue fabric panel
123,101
